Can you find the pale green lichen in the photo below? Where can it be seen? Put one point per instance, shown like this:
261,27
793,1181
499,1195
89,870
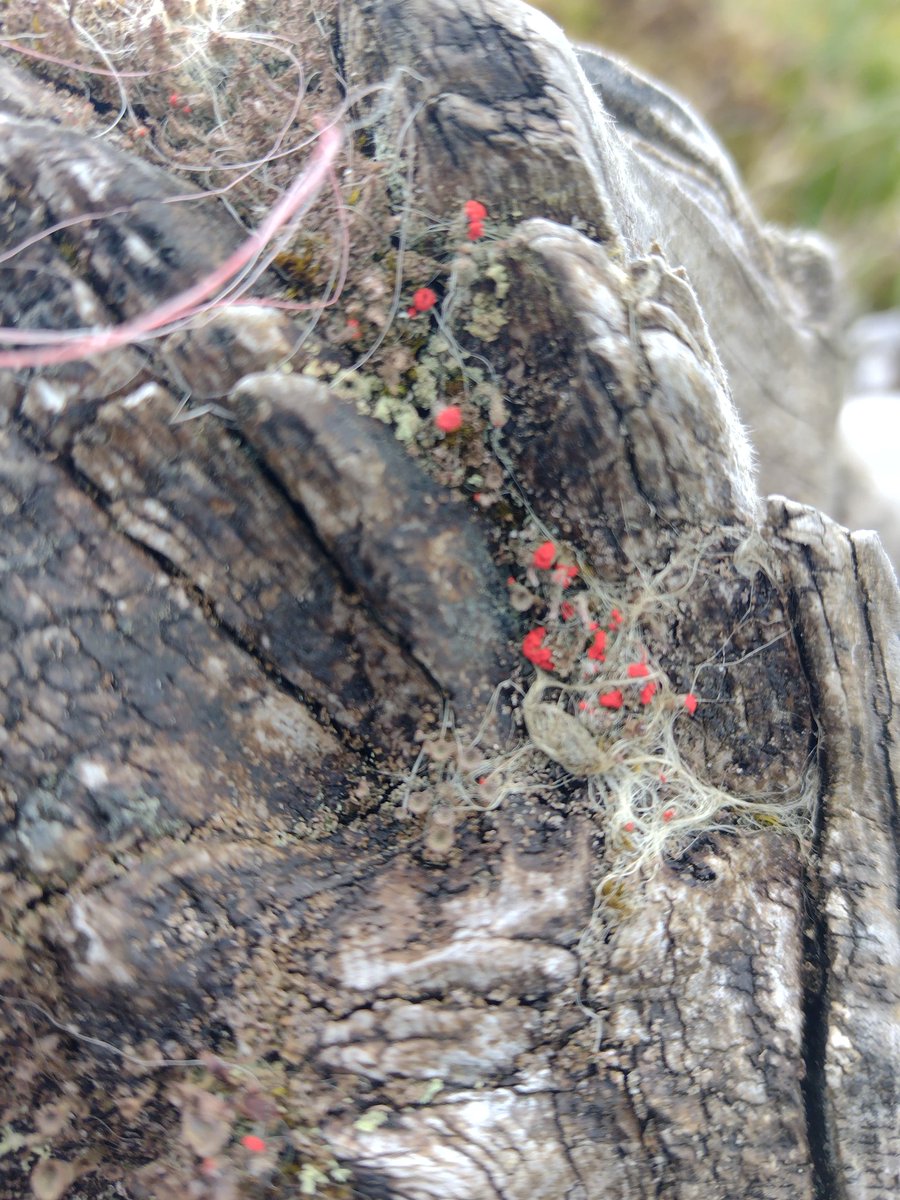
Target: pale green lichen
371,1119
500,276
310,1179
440,364
432,1088
370,397
437,371
396,411
11,1141
357,387
486,317
485,306
425,385
315,369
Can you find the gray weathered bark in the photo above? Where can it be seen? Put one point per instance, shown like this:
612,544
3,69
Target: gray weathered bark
224,641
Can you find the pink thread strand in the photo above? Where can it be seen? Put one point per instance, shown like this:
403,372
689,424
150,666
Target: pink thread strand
85,343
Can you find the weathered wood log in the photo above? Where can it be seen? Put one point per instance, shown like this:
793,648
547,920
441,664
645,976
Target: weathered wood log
234,650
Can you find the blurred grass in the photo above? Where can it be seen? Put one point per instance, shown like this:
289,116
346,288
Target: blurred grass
805,95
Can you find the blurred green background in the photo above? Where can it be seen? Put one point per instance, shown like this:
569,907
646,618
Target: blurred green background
806,96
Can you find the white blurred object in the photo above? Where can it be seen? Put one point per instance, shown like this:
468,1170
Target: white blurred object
875,352
870,429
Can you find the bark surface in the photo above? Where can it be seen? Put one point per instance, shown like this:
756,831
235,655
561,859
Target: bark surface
224,641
